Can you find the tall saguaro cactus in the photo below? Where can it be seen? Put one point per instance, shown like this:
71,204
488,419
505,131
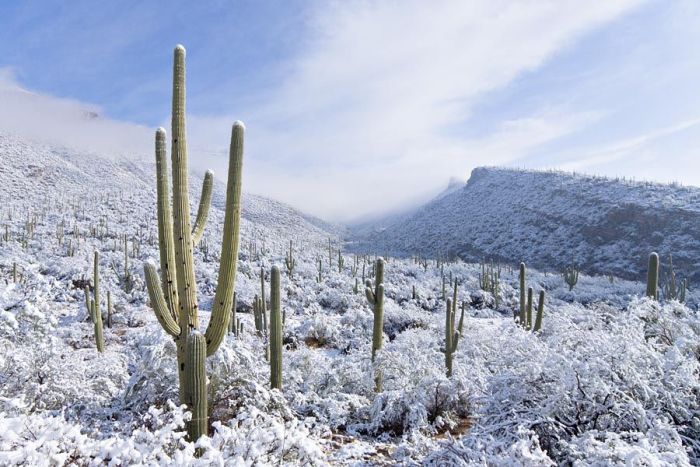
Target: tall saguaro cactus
451,336
376,299
523,304
95,307
173,294
653,276
275,330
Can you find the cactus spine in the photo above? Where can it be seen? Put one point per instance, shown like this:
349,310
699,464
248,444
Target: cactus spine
275,330
95,304
653,276
376,299
180,317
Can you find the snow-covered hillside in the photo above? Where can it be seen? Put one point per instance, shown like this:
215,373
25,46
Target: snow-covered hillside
551,219
612,378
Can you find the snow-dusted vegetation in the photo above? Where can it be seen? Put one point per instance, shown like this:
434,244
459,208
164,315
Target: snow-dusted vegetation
612,377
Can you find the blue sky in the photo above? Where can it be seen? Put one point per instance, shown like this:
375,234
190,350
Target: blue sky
359,107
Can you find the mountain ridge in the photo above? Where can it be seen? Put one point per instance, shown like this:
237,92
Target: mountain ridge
551,219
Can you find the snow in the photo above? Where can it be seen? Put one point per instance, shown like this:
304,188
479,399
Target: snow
612,379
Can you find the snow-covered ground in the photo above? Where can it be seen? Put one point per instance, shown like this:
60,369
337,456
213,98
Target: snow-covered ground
613,378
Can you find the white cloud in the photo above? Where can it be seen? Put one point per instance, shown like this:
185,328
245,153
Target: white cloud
67,122
366,119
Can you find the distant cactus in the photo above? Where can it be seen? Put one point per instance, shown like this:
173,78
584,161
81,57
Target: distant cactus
451,336
674,289
376,299
289,261
653,276
275,330
528,318
95,306
233,321
523,303
341,262
570,275
489,280
173,295
109,309
540,313
319,278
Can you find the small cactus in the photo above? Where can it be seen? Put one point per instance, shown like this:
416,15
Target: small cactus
523,303
451,336
289,261
653,276
571,276
540,313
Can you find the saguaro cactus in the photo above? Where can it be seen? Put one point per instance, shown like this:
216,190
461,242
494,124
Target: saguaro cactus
522,294
451,336
571,276
653,276
540,313
289,261
376,299
177,311
275,330
95,307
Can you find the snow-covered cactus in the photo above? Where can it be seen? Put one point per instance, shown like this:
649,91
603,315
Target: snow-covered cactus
95,304
320,271
289,261
233,324
275,330
571,276
376,300
528,319
540,313
109,309
341,261
178,313
653,276
523,304
451,336
673,289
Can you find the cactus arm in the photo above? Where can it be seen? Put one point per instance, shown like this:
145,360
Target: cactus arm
165,227
461,319
158,303
184,260
275,330
203,210
196,385
223,298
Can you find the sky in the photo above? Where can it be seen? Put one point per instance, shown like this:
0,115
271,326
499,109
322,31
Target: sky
359,108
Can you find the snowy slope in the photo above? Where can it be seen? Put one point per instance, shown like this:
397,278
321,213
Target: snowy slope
612,379
549,219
